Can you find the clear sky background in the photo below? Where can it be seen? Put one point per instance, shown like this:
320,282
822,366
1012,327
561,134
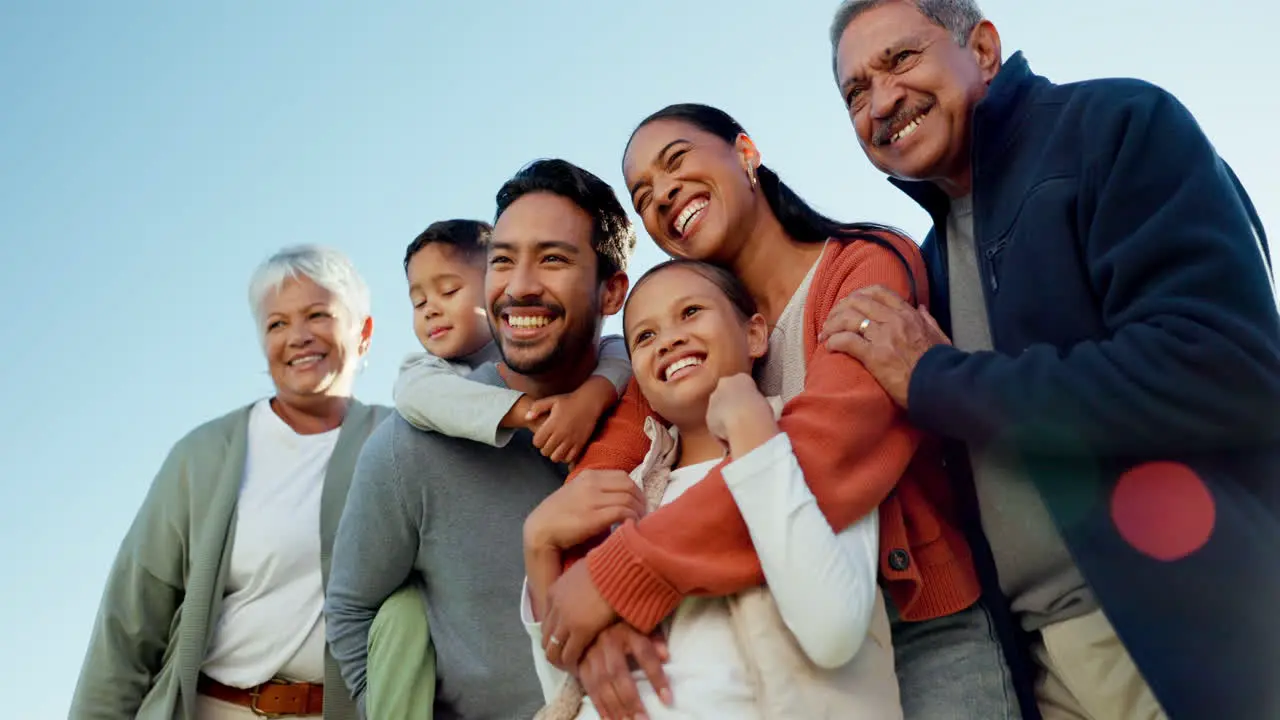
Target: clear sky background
151,154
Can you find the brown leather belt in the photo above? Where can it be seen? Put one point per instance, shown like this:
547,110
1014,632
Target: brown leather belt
270,699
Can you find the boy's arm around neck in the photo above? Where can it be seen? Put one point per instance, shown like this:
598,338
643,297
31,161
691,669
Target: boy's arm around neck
433,394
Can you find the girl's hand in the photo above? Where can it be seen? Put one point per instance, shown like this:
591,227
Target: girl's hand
605,670
739,415
595,501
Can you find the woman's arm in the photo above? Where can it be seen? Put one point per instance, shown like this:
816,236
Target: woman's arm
143,592
622,443
824,582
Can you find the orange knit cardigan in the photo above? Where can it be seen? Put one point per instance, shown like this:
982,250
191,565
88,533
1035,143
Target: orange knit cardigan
857,451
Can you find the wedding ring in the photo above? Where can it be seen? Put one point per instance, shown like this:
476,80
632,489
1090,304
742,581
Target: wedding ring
862,326
555,641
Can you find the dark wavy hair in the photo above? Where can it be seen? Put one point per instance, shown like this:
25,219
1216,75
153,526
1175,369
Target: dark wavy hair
798,218
612,236
470,237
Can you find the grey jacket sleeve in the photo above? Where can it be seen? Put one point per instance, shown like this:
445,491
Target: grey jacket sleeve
143,592
374,552
614,364
433,394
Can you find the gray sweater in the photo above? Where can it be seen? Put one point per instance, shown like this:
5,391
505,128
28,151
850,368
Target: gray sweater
1036,571
454,511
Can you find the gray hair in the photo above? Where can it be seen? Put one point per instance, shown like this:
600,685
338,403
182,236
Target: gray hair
958,17
326,267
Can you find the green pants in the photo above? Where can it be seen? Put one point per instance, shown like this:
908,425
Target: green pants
401,676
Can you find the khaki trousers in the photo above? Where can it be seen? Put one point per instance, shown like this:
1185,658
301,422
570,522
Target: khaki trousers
1086,674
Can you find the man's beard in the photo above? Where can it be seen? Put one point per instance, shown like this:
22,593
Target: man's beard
536,366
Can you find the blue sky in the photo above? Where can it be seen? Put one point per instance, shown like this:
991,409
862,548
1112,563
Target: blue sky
152,153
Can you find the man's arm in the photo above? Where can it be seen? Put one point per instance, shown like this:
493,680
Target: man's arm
699,544
374,552
433,394
1192,360
144,589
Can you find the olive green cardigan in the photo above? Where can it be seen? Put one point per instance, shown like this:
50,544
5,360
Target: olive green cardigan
165,590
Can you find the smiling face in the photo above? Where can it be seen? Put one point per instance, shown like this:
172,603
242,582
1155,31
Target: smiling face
545,297
311,342
684,335
692,189
446,286
910,90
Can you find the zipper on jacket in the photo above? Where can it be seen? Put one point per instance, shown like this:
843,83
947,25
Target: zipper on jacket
991,253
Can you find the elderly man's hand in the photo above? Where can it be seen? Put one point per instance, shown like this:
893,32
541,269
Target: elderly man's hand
886,334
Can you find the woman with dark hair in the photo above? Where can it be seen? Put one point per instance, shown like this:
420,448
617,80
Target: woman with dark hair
696,180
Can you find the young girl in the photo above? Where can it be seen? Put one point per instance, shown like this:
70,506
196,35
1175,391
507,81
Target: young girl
793,649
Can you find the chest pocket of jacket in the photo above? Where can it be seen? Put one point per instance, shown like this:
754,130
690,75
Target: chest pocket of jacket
1037,279
1044,221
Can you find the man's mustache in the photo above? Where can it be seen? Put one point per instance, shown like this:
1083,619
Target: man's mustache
554,309
890,127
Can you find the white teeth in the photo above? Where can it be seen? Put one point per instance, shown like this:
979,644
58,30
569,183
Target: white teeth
689,213
680,364
307,360
910,128
528,321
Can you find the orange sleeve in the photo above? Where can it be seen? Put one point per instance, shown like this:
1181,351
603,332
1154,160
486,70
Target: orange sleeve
699,544
620,445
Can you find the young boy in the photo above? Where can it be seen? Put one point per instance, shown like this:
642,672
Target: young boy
445,266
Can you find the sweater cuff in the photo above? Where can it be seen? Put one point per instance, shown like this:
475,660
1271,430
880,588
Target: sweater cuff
634,591
929,406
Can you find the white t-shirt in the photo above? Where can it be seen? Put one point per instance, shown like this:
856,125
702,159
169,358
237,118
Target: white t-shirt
271,623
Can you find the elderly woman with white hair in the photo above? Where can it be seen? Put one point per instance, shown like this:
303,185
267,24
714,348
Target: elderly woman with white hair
212,609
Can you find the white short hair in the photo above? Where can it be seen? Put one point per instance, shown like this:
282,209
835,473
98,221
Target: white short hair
326,267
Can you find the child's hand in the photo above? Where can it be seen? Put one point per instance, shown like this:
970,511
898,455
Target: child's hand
568,421
739,415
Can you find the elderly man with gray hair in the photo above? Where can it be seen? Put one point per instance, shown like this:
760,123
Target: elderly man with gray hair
213,608
1101,350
